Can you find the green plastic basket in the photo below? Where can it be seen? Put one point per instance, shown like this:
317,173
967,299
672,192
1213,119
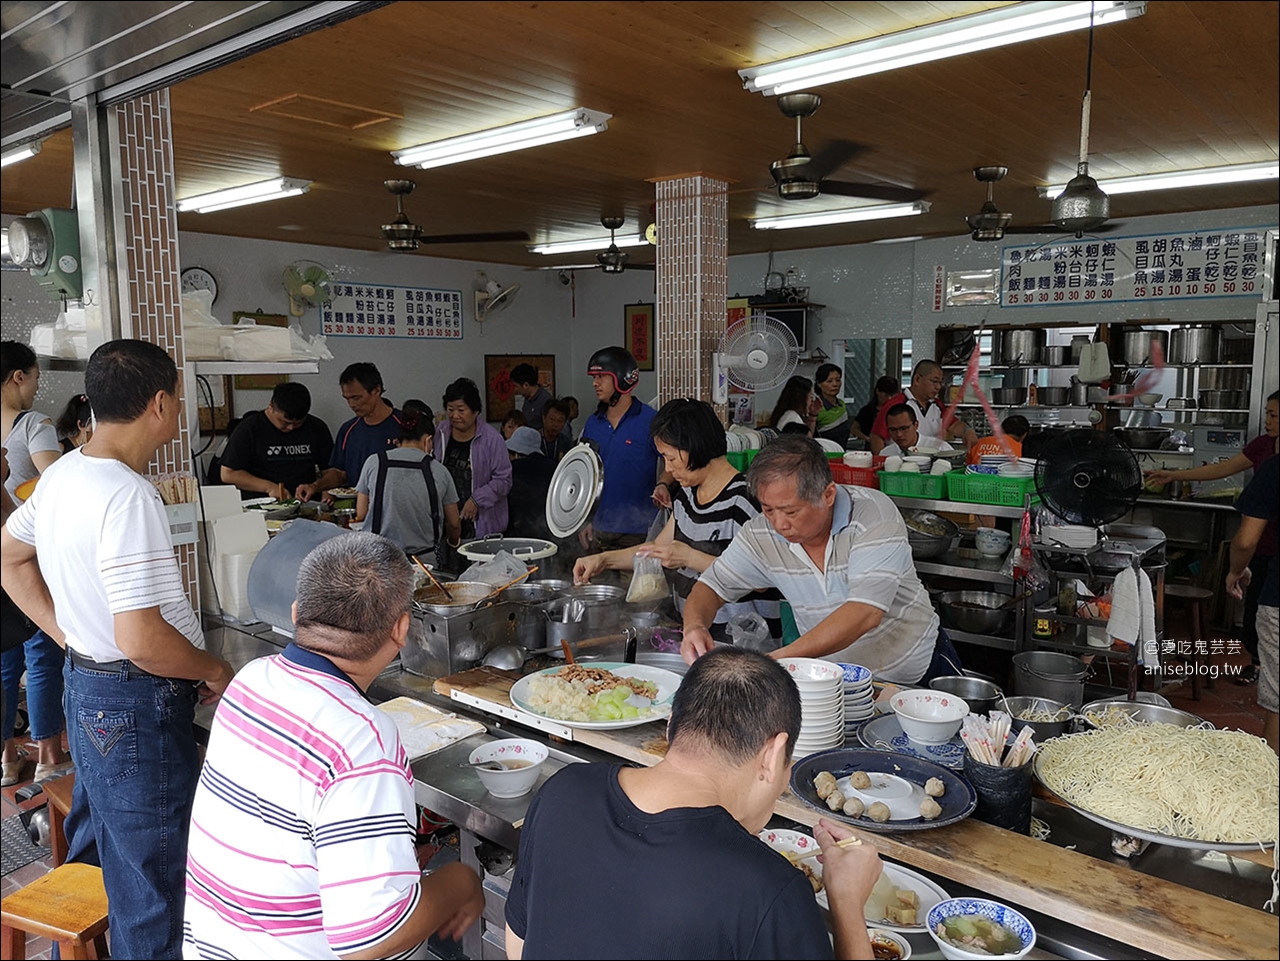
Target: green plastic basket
903,484
989,488
738,458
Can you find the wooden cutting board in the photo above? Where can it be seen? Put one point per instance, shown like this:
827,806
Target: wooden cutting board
488,683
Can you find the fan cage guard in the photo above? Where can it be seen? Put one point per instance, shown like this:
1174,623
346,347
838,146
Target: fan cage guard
1088,477
759,332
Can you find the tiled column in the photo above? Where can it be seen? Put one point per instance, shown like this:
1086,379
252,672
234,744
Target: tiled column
692,282
149,263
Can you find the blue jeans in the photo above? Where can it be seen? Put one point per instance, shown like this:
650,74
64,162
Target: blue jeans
41,658
133,741
946,661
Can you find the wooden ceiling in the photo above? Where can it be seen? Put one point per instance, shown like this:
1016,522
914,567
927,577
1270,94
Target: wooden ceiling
1187,85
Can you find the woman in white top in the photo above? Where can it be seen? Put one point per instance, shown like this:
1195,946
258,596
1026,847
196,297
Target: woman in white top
797,404
31,445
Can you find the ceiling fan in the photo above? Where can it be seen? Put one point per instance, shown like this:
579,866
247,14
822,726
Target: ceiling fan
613,260
404,234
990,223
802,175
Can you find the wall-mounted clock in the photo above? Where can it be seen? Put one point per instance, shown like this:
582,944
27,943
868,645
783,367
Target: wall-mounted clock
197,278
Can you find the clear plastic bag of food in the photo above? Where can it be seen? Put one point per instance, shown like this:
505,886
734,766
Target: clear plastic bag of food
648,582
504,567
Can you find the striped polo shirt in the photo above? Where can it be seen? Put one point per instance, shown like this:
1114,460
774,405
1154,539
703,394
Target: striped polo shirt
302,833
868,561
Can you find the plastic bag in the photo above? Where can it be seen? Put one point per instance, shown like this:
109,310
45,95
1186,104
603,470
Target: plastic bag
648,583
751,631
504,567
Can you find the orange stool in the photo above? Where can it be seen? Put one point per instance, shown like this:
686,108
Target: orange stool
1192,597
58,790
68,905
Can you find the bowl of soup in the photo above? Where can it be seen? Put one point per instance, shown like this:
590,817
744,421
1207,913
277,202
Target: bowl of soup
970,929
509,767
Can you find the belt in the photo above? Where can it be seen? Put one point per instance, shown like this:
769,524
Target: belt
107,667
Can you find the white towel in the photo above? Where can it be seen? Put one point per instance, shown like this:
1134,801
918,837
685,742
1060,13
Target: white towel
1133,609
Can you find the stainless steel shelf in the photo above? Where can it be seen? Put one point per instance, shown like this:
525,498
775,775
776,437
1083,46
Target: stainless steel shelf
255,367
950,564
983,640
1072,648
957,507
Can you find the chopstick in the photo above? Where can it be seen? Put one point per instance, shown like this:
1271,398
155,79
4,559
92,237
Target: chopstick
795,858
426,570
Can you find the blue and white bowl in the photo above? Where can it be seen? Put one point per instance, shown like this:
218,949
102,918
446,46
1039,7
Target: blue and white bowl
1000,913
855,675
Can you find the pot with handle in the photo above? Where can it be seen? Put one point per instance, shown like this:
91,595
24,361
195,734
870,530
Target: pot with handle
1194,345
1054,396
1021,348
1136,348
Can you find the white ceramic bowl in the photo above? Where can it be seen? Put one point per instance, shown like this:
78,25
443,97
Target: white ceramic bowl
1000,913
992,542
1150,399
813,675
888,937
929,717
515,781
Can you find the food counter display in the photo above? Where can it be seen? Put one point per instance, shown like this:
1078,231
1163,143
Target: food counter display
1084,901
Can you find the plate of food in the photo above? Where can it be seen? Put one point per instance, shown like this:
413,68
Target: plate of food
901,899
794,842
882,791
343,493
602,696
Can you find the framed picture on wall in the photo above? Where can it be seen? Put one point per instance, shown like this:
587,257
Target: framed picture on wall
500,392
638,333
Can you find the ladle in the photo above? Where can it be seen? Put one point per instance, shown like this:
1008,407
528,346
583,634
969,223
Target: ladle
505,657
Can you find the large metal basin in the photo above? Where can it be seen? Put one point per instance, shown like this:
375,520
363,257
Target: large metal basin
974,611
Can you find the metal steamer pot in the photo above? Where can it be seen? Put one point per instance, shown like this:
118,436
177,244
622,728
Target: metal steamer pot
1056,356
1053,396
1194,345
1135,347
1225,378
1019,348
1223,399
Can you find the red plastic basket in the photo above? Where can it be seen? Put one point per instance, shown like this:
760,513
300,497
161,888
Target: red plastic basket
842,473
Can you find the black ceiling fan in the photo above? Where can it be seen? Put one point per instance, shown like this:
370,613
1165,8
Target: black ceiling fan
802,175
404,234
990,223
613,260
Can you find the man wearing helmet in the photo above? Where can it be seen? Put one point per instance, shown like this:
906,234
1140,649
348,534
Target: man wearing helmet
620,430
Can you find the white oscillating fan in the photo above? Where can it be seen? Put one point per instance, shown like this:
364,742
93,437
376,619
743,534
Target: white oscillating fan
756,353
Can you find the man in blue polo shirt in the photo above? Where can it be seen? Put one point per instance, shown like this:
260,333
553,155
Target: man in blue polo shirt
620,430
374,428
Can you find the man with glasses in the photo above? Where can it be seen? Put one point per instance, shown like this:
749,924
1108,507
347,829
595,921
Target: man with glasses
905,436
278,449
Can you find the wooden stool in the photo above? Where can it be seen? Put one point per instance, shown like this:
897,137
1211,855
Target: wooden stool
1199,643
68,905
59,790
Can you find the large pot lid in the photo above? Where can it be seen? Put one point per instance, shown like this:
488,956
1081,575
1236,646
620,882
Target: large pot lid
575,489
525,548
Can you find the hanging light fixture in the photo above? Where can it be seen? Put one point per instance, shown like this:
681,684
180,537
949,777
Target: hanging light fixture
1082,205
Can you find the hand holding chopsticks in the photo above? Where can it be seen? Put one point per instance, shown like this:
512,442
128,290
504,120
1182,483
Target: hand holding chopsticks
795,857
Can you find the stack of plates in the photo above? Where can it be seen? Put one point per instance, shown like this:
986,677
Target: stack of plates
821,686
859,697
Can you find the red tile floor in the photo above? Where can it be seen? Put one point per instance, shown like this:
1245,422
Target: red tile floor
1226,704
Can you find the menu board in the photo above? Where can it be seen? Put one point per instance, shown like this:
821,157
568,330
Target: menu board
1172,266
388,310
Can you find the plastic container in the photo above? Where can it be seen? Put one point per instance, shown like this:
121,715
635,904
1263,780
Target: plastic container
738,458
854,476
900,484
1004,794
989,488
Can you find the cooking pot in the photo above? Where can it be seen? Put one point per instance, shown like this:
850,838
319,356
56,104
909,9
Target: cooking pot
1056,356
975,612
466,594
1135,348
1054,396
1147,438
1009,396
1222,399
1079,393
1223,378
1022,347
525,548
1194,345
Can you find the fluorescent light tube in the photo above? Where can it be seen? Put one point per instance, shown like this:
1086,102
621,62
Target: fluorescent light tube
248,194
595,243
25,152
848,215
579,122
1203,177
937,41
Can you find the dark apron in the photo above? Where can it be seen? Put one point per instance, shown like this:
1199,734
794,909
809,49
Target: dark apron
385,464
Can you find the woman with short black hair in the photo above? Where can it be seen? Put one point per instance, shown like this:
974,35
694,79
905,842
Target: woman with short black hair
476,457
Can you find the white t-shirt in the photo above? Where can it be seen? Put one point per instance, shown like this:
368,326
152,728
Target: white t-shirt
32,434
102,537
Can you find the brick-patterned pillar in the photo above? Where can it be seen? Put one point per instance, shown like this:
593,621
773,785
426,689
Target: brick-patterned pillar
692,282
148,261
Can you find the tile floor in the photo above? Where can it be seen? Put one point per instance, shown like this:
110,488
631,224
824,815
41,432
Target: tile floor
1226,704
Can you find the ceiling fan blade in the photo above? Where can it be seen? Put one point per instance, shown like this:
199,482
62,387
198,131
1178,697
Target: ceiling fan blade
844,188
833,155
642,266
1054,229
494,237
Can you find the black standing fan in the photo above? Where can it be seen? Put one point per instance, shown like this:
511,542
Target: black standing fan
1088,477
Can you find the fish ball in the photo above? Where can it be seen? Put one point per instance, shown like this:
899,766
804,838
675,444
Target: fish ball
934,787
854,807
860,779
835,800
930,809
878,812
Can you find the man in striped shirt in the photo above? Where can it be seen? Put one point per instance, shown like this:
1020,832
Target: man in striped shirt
840,557
302,837
93,542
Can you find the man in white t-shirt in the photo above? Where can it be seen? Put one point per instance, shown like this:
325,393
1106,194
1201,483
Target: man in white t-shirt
905,436
92,543
302,836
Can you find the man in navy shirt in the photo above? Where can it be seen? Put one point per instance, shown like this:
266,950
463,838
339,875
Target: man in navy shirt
660,862
1259,504
374,428
620,431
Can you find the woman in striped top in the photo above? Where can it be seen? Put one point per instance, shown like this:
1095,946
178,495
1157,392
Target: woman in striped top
709,506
